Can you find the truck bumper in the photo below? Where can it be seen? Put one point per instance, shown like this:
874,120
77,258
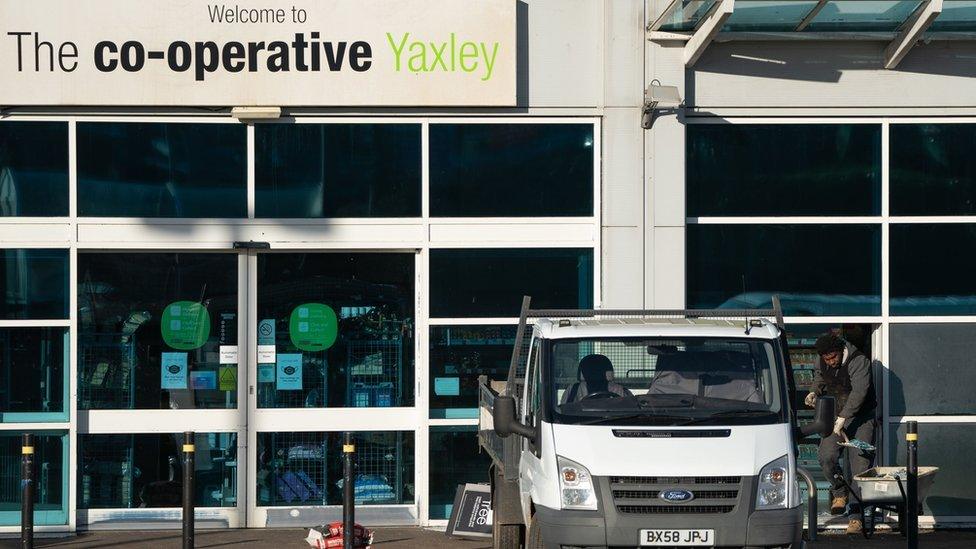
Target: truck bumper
744,526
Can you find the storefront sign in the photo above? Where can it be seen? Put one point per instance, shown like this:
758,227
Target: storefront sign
471,515
272,53
266,332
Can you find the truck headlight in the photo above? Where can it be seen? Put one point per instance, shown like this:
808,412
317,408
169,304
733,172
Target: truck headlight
575,485
774,483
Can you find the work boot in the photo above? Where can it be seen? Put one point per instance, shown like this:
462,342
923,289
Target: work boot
838,505
854,526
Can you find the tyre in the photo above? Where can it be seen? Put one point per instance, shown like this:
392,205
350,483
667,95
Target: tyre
533,539
506,536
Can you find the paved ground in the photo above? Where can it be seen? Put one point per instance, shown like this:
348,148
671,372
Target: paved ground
404,538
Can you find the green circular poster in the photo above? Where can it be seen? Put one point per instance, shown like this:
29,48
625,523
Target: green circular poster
313,327
185,325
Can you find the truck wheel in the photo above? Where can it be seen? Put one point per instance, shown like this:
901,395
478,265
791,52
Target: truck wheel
506,536
534,538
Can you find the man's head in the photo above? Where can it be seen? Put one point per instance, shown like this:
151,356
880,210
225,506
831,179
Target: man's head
831,349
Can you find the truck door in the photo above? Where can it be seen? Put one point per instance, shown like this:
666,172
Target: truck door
530,464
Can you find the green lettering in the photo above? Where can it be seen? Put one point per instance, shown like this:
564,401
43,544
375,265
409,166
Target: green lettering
489,62
464,56
397,51
421,56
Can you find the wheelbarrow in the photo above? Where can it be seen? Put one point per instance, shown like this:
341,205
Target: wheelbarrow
885,488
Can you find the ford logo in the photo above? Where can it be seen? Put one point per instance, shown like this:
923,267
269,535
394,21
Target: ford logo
676,496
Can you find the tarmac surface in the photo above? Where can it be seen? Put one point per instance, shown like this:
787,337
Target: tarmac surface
404,538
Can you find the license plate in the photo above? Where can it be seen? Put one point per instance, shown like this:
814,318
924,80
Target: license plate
677,537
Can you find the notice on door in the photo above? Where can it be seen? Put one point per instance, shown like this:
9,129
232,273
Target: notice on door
185,325
313,327
173,371
289,372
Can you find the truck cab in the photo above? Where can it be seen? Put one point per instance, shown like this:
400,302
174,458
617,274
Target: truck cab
644,431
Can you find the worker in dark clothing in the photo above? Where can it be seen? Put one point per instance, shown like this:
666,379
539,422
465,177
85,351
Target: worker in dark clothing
844,373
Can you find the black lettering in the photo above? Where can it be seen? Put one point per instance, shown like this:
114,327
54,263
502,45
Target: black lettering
233,57
62,55
100,49
252,55
155,55
278,61
20,55
360,56
300,44
37,53
206,58
334,58
126,53
314,50
181,48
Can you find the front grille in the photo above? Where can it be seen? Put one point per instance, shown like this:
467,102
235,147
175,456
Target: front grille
675,480
674,509
640,495
652,494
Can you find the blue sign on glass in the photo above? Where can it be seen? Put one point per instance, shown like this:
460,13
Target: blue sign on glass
266,373
289,372
173,371
266,332
447,386
205,380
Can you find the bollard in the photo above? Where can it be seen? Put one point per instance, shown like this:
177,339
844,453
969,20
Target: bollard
811,502
348,492
911,506
189,463
27,499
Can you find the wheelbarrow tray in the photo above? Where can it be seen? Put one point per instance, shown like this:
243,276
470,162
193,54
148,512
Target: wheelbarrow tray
878,485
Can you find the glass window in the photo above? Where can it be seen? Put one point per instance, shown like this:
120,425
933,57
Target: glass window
149,169
783,169
768,16
511,170
33,169
815,269
306,468
455,459
335,330
957,15
491,282
458,355
32,374
950,448
923,357
51,488
687,14
146,470
337,170
151,327
933,170
931,269
863,15
33,284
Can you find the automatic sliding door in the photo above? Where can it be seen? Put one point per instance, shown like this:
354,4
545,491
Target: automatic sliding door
332,332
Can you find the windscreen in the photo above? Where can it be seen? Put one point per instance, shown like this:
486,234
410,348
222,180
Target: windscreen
667,381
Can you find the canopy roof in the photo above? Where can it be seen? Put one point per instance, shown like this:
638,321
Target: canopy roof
900,22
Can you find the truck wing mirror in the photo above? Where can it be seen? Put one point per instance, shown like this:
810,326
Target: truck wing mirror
823,418
503,416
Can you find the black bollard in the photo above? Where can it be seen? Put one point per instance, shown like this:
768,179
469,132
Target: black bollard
189,463
348,492
27,499
911,506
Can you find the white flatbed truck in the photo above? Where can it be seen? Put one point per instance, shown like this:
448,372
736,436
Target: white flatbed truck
646,428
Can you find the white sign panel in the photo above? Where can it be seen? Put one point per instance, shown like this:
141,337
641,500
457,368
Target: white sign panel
262,53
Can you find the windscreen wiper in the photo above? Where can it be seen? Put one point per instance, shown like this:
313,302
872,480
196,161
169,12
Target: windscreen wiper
729,414
645,416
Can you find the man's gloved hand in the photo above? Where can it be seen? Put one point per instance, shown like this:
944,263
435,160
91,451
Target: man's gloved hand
839,425
811,399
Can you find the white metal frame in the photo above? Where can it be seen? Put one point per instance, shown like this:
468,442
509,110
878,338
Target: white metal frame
417,235
881,335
